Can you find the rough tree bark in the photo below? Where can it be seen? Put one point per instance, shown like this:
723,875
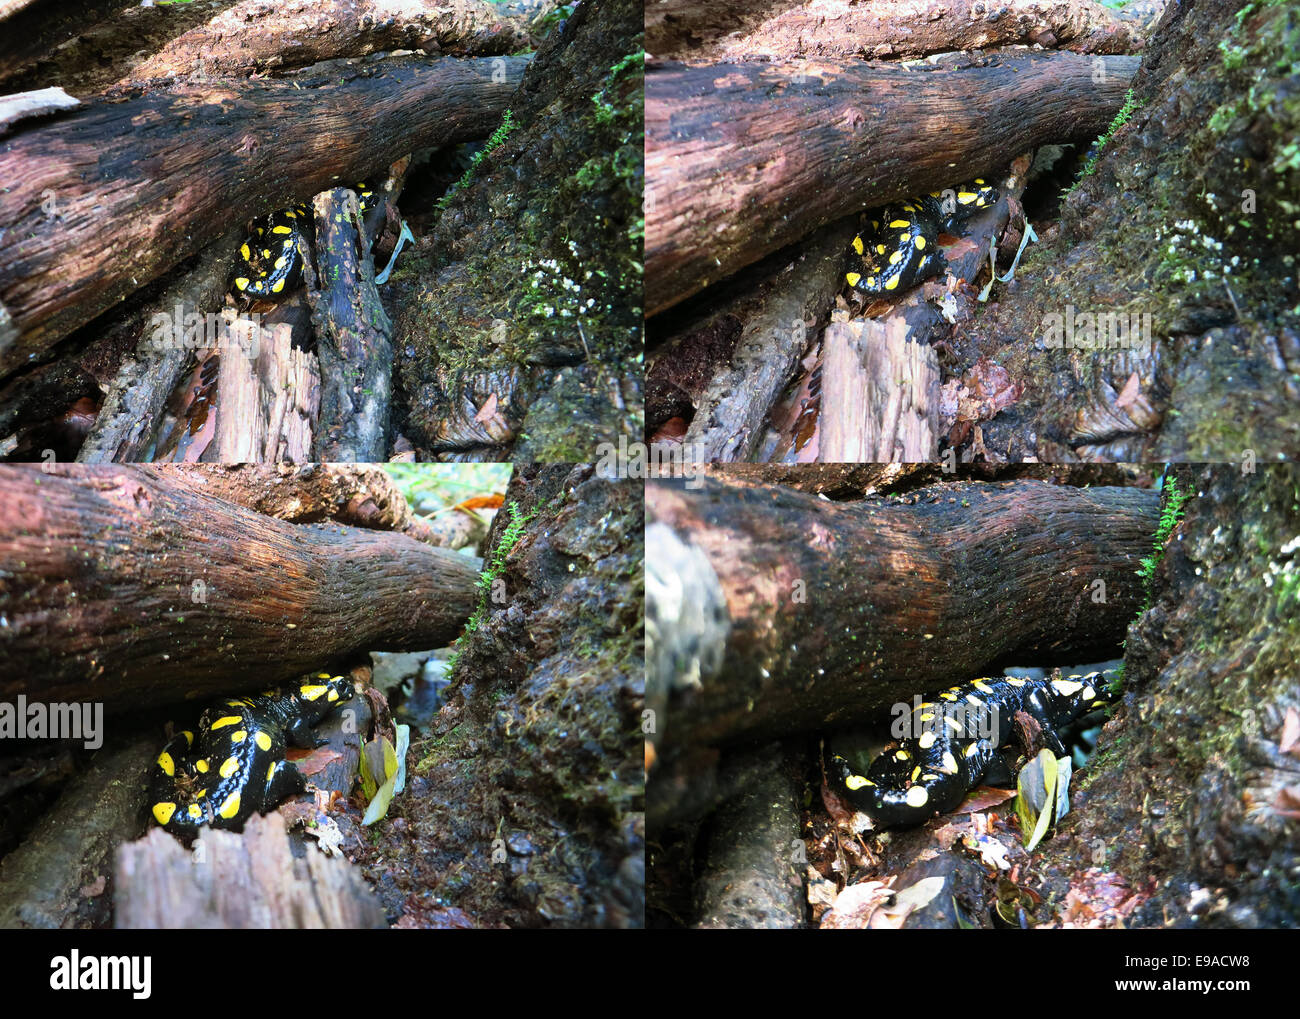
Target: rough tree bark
1185,235
353,337
130,574
737,29
744,158
116,193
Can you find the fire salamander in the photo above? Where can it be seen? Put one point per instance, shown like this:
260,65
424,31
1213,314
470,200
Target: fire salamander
902,247
951,743
235,765
270,260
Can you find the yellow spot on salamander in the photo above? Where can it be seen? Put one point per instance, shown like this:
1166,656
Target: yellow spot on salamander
1066,687
972,750
239,736
853,278
857,245
231,807
974,700
167,764
927,716
965,197
926,741
224,721
242,282
856,782
880,249
902,755
916,773
895,258
189,738
279,262
1089,693
982,686
920,242
228,767
952,723
333,695
311,693
162,812
949,764
871,281
979,180
270,772
194,811
281,229
201,766
243,250
948,695
263,740
896,224
277,286
891,284
1015,681
917,796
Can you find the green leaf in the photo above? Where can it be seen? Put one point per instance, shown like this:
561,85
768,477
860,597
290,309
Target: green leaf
378,807
1036,785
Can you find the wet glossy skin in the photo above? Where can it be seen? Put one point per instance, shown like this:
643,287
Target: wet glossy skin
901,246
234,765
270,261
953,739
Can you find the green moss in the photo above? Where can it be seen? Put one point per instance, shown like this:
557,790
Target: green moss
493,143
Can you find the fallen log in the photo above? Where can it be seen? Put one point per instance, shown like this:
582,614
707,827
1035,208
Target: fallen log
260,34
742,159
737,30
353,337
836,609
770,322
115,193
129,574
133,406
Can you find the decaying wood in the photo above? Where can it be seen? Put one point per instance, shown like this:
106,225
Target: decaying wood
243,881
267,403
353,337
880,395
744,158
257,35
57,876
771,322
776,29
114,194
22,105
881,601
748,876
133,406
129,573
352,494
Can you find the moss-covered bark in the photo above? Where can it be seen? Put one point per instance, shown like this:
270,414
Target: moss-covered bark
526,804
1192,217
1187,797
538,264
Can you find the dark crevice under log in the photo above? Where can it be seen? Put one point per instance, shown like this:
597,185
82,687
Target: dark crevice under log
745,158
141,183
131,574
839,608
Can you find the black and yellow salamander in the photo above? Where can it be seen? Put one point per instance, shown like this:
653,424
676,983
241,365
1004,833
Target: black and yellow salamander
950,743
235,763
902,246
270,262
